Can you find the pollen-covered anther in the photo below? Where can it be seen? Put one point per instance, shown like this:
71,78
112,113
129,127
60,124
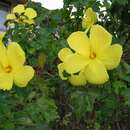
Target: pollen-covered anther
8,69
92,55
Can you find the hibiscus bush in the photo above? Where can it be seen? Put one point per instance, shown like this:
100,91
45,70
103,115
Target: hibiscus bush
66,69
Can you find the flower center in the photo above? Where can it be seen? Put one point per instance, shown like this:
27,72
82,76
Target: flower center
92,55
8,69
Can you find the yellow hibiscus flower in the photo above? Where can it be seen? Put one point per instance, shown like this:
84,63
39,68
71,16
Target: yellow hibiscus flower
12,68
21,14
89,18
92,57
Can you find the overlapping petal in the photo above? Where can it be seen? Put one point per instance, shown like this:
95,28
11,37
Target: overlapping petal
99,38
6,81
78,80
111,56
3,55
79,42
19,9
16,55
96,72
29,21
61,69
30,13
75,63
23,76
64,53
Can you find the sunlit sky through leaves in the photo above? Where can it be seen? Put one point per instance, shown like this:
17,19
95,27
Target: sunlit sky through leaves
51,4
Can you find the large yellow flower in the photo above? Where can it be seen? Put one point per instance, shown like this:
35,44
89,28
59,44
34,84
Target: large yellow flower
21,14
89,18
92,57
12,68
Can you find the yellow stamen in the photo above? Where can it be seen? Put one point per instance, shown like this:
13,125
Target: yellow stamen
8,69
92,55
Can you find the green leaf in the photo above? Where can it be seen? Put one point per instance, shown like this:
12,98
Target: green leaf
81,102
126,95
109,105
121,2
41,59
8,125
43,110
118,85
125,77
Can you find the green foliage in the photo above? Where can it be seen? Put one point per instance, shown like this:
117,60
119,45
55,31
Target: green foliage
82,102
121,2
28,108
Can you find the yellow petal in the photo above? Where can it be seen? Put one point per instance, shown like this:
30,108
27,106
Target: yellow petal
78,80
111,56
79,42
23,76
96,72
6,81
89,19
16,55
30,13
11,25
3,55
1,68
64,53
29,21
75,63
10,17
61,69
99,38
19,9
